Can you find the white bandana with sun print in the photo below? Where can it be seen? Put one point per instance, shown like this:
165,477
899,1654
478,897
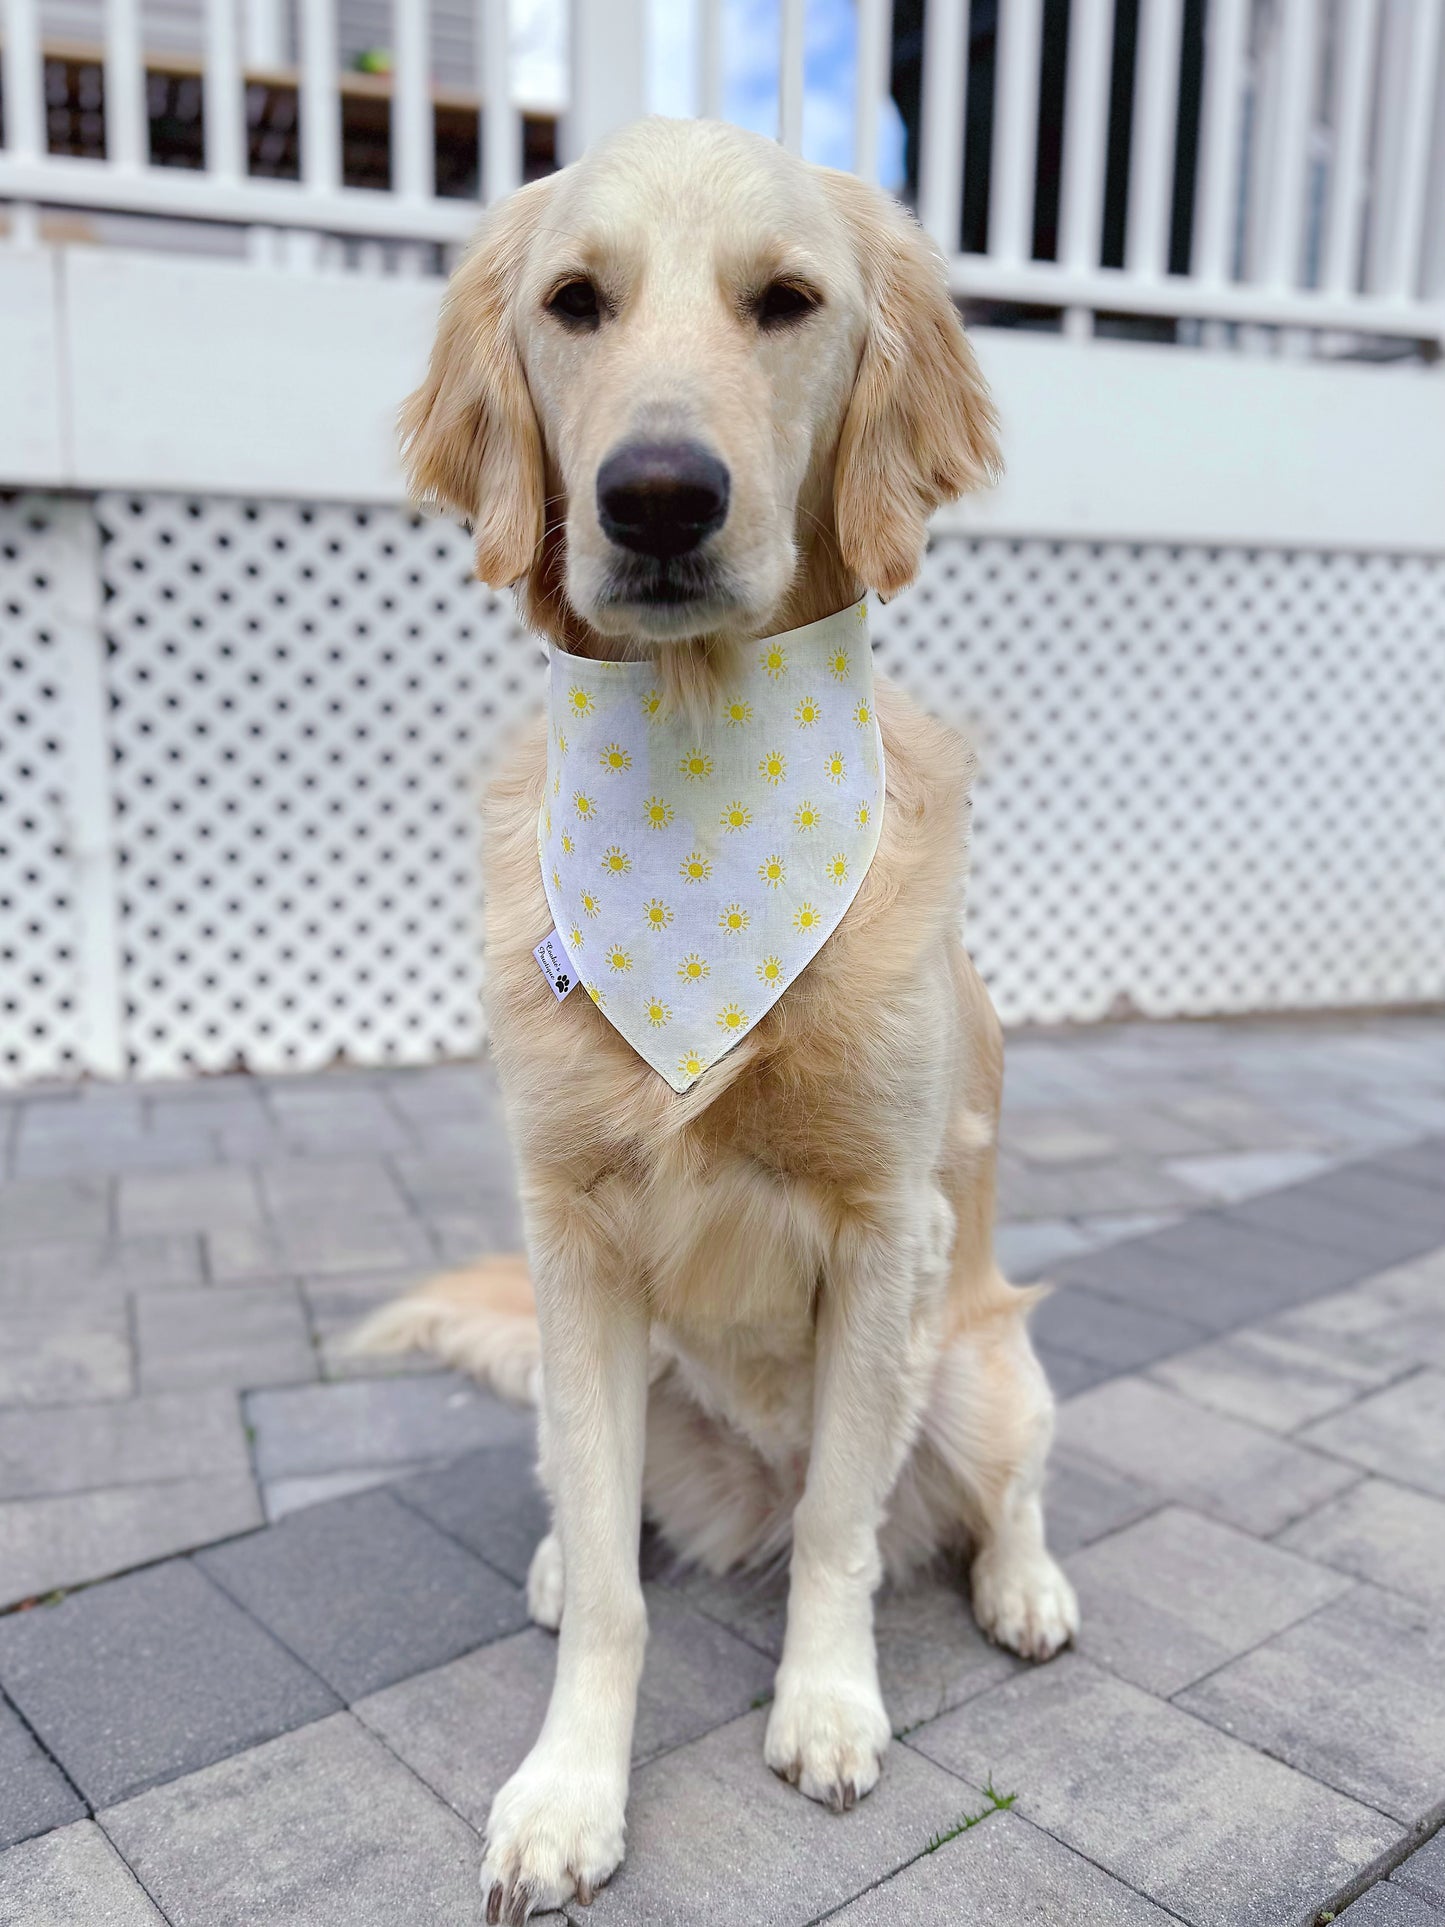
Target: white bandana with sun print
695,872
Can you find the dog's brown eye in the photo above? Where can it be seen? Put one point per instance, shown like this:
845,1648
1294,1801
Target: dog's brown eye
576,302
783,302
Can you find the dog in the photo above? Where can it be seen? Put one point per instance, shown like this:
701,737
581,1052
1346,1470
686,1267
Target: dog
761,1307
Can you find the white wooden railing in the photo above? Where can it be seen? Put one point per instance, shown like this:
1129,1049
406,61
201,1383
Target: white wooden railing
1317,183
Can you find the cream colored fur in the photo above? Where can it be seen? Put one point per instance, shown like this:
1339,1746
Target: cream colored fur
766,1310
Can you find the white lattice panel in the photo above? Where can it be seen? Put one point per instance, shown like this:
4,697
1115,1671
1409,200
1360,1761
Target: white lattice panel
303,699
40,1018
1213,780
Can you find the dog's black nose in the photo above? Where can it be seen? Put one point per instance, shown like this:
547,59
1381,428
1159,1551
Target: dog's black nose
661,498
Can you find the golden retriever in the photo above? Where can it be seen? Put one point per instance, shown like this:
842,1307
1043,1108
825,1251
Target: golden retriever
764,1311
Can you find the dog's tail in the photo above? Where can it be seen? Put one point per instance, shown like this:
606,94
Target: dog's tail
482,1319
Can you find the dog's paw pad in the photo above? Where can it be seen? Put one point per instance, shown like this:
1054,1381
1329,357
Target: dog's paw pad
1025,1604
552,1837
827,1739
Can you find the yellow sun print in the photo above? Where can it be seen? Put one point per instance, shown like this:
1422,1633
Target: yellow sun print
658,1013
581,701
805,817
695,867
652,704
775,660
862,715
615,757
583,805
836,766
731,1018
734,918
690,1064
773,767
738,713
616,860
771,970
806,917
838,868
657,913
619,958
659,812
807,712
590,904
773,870
695,765
575,937
694,968
838,663
737,816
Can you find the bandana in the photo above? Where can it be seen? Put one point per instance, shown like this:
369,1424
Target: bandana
694,873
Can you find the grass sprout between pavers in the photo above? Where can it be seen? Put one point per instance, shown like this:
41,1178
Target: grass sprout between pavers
997,1803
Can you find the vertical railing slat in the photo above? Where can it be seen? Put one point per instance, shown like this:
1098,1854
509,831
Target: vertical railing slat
1354,67
1013,163
940,159
413,151
875,37
223,99
1289,165
320,98
1086,131
791,69
1400,258
710,60
1151,148
608,58
501,126
127,133
1216,191
24,82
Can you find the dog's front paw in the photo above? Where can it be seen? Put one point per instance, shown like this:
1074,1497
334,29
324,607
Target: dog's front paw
827,1736
554,1834
1024,1602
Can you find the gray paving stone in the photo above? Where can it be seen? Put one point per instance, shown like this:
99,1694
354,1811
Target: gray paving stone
86,1268
208,1337
342,1241
490,1501
1170,1599
72,1878
1311,1214
1083,1501
477,1177
112,1154
1244,1271
1232,1176
318,1827
1136,1272
1107,1332
791,1861
466,1727
1058,1137
1354,1696
365,1591
60,1351
1422,1163
1381,1532
1231,1471
324,1122
1388,1905
1270,1378
1001,1873
1028,1250
460,1236
1369,1188
34,1794
281,1497
47,1210
1069,1374
187,1200
305,1429
293,1187
1220,1835
1399,1432
931,1655
1424,1872
149,1677
1124,1184
75,1537
125,1442
244,1255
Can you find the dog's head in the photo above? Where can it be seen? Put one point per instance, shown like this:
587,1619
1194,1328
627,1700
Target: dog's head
666,373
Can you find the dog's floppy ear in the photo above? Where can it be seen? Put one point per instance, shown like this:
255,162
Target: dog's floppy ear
469,435
920,428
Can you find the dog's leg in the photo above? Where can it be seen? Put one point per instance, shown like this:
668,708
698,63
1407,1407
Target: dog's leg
990,1419
828,1730
555,1830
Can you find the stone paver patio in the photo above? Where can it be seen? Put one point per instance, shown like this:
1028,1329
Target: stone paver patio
264,1655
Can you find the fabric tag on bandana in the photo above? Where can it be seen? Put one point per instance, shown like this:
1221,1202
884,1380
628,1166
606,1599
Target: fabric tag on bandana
556,966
